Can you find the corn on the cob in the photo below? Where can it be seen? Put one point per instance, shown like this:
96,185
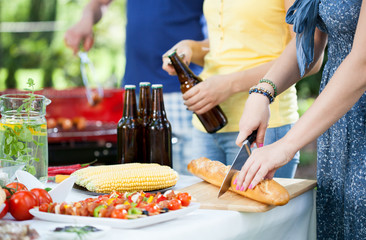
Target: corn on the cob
126,177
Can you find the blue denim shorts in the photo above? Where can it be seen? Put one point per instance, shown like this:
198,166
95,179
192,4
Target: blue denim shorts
221,147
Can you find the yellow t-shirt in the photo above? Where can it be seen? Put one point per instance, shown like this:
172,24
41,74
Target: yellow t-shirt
244,34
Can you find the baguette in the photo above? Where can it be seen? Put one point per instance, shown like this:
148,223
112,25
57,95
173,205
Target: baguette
267,191
2,196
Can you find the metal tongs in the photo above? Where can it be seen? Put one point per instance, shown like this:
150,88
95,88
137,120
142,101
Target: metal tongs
85,63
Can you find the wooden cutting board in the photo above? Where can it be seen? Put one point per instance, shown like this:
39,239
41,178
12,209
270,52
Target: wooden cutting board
206,194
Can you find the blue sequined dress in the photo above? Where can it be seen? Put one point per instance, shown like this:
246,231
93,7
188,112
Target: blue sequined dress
341,174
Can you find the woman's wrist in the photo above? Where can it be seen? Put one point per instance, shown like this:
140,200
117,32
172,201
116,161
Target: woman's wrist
290,144
267,87
262,91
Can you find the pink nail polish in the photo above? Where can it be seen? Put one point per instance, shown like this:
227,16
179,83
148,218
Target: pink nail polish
250,186
237,187
242,188
235,181
260,145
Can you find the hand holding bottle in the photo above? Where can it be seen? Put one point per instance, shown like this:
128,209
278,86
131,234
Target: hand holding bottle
212,120
208,94
183,49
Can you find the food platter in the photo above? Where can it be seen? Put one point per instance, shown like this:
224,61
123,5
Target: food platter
115,223
86,191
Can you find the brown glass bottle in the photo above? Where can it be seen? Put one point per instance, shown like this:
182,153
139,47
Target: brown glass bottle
144,116
129,129
214,119
159,130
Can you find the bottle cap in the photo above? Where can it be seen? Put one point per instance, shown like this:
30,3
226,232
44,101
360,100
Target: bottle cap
130,87
144,84
172,53
157,86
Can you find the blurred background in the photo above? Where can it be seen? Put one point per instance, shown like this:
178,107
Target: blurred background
31,45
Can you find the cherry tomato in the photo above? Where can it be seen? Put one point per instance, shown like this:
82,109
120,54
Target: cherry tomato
42,195
174,204
184,198
16,186
152,208
20,204
43,207
5,209
119,213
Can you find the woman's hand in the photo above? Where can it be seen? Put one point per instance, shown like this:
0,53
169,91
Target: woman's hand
207,94
255,117
263,163
183,48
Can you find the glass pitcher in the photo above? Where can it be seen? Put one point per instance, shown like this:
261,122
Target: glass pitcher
23,133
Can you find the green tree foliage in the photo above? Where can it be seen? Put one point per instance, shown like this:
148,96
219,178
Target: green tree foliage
31,37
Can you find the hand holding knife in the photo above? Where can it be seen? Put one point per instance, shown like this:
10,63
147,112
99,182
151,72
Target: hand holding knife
238,162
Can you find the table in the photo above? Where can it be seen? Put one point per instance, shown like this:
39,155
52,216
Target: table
295,220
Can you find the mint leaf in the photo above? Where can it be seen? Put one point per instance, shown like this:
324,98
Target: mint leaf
30,82
31,169
9,139
20,145
25,134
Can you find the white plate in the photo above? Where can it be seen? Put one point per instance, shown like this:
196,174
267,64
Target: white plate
58,193
51,235
112,222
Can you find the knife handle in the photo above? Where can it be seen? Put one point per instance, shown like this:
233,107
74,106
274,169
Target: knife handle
251,138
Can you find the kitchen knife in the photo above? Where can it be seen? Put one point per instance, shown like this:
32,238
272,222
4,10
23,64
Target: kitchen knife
238,162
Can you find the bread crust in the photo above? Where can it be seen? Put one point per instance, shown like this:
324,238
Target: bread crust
267,191
2,196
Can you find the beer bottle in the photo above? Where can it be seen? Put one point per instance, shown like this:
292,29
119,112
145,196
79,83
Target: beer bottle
159,130
129,129
144,116
214,119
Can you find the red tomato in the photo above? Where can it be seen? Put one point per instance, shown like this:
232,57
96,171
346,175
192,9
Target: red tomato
152,208
42,195
16,186
5,209
20,204
43,207
174,204
119,213
161,198
184,198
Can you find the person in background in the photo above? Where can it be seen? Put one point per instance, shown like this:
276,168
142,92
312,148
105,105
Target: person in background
152,28
245,39
337,117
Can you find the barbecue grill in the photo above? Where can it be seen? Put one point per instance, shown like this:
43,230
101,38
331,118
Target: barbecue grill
97,140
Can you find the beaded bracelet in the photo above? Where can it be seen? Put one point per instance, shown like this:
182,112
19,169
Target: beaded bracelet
263,91
263,80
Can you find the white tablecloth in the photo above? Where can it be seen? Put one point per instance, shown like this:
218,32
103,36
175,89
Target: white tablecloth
295,220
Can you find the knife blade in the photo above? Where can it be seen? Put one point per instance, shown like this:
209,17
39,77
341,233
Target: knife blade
238,162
